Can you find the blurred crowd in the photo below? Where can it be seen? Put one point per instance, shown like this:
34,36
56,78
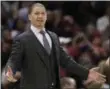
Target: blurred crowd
83,29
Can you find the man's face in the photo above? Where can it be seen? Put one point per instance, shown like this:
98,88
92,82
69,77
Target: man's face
38,16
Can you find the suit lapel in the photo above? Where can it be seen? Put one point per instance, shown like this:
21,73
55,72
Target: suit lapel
57,52
38,47
55,43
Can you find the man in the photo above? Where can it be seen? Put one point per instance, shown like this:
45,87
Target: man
37,55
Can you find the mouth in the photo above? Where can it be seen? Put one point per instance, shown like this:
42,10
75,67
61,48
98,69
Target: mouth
40,20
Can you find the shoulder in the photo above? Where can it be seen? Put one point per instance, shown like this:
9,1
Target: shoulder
53,34
21,36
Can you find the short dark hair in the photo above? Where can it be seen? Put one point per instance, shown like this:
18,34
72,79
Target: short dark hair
33,5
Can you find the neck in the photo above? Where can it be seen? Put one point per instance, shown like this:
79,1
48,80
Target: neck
39,27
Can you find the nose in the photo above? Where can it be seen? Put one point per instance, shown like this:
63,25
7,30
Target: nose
40,16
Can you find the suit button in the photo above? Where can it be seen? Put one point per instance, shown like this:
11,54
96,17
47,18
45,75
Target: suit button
52,84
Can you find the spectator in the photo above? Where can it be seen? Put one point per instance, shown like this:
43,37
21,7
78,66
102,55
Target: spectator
5,52
68,83
103,22
50,20
5,46
99,52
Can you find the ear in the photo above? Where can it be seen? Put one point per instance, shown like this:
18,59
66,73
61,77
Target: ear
29,17
46,16
108,61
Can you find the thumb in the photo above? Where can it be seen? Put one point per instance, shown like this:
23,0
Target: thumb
9,71
95,69
87,82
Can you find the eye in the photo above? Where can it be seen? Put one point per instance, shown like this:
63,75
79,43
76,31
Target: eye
43,13
36,13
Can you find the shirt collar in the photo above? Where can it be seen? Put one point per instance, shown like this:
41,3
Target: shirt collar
36,30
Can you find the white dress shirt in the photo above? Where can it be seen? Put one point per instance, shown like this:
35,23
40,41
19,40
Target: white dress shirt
39,36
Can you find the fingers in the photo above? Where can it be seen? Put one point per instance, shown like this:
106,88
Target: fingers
97,80
11,79
95,77
101,75
87,82
9,69
9,72
98,74
91,81
9,75
95,69
101,79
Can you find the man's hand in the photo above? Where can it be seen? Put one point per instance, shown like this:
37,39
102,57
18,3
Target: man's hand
94,77
11,77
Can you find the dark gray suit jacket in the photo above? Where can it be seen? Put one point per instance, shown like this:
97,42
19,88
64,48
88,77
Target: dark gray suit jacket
27,56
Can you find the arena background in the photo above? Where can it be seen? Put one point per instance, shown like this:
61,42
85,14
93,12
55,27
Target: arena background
83,28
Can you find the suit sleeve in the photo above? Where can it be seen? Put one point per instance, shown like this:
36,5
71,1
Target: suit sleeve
68,62
16,56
